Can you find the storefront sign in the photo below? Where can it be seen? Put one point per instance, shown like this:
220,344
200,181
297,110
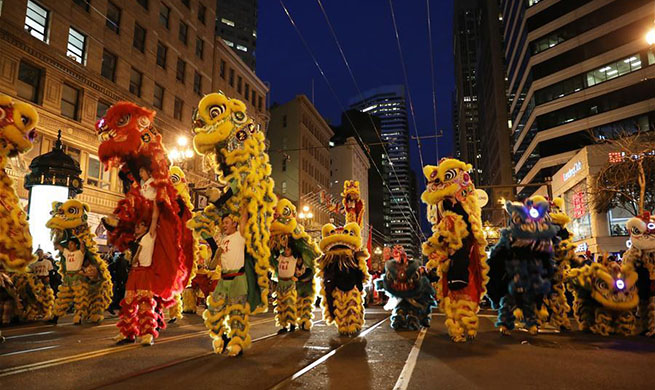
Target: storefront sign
582,248
577,167
483,198
96,226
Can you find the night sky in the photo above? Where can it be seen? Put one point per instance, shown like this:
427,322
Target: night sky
365,31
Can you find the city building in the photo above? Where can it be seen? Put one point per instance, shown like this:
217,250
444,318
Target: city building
237,80
592,231
300,156
466,36
388,103
363,128
576,70
72,60
348,161
236,24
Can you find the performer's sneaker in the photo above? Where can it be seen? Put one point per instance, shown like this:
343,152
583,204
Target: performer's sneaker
53,320
218,345
282,331
148,340
172,320
234,350
122,340
292,328
533,330
504,330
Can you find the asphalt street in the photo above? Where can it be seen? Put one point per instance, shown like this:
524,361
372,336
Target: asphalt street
43,356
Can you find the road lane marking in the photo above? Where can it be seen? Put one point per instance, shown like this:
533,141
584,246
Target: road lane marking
410,363
29,350
325,357
102,352
29,335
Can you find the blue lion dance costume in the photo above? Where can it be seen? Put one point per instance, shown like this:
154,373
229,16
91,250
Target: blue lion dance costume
522,264
411,286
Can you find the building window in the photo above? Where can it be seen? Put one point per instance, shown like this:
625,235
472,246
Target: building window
29,82
614,70
70,99
227,21
136,78
143,3
161,54
284,122
239,82
74,153
83,3
247,91
200,48
231,78
108,69
253,97
158,99
187,3
76,49
181,68
139,40
202,10
164,15
96,176
242,48
113,17
183,32
197,83
221,69
177,109
101,109
37,20
284,187
259,103
229,43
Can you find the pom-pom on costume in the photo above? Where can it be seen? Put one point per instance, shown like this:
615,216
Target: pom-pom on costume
556,302
17,123
343,272
407,282
235,148
89,293
353,204
130,142
605,297
641,256
294,298
456,249
522,265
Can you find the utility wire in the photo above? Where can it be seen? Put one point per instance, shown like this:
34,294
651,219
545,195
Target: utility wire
361,96
434,94
320,69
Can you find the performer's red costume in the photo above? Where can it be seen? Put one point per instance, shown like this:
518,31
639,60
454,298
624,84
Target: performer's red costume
130,142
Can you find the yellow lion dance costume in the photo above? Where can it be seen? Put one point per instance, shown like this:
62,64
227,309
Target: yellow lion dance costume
235,147
296,292
88,290
353,204
343,272
456,248
17,123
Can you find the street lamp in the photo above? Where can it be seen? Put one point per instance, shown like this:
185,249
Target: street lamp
53,177
182,151
650,36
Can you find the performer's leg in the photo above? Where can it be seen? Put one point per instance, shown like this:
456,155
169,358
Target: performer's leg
285,307
81,301
147,319
239,328
626,323
175,312
348,311
189,301
603,322
305,307
63,301
505,322
128,322
215,316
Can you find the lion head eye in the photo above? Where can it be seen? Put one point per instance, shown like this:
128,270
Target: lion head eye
72,210
239,116
635,231
450,175
286,211
352,232
124,120
216,111
332,232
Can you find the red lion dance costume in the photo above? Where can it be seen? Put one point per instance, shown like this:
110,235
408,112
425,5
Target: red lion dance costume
130,143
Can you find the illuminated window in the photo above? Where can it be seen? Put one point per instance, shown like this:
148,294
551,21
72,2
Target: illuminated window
37,20
76,48
242,48
229,43
227,21
96,175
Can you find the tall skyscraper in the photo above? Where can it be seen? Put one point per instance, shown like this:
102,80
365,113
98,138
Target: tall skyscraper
388,103
576,68
466,35
236,23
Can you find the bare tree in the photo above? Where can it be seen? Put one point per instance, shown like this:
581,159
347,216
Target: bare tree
627,181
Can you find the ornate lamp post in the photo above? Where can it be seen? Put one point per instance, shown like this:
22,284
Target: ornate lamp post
182,152
53,177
